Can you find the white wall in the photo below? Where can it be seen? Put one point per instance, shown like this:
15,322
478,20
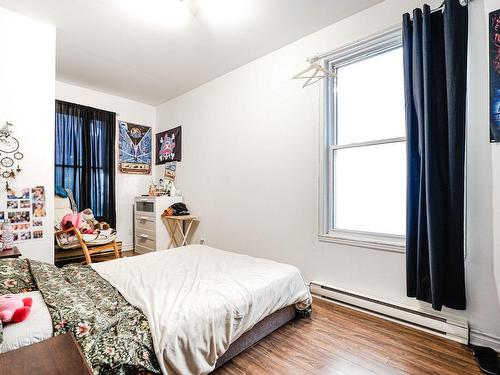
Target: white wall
250,167
482,285
27,76
127,186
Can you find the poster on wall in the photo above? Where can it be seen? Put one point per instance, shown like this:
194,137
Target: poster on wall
38,201
170,170
19,218
18,194
494,52
134,155
169,146
26,212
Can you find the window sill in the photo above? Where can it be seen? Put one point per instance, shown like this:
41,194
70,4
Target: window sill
397,246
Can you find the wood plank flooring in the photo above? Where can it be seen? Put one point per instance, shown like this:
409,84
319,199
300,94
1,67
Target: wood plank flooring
341,341
97,258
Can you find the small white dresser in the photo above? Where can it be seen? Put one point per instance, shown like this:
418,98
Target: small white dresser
150,230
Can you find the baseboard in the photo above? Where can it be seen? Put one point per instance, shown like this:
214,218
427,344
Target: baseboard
479,338
127,247
450,327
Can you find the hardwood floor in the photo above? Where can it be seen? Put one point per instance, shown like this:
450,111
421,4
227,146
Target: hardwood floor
105,257
338,340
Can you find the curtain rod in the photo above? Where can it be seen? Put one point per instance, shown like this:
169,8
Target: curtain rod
317,57
463,3
439,9
385,32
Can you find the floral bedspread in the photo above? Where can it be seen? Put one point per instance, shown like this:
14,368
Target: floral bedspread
114,335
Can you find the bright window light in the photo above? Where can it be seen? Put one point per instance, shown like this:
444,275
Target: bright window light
368,154
370,96
370,188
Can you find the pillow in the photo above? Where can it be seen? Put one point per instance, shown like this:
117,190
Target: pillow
15,277
61,192
36,327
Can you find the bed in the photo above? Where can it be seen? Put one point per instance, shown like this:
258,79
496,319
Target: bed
182,311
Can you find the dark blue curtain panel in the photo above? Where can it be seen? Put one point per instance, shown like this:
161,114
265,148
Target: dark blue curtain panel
85,157
435,68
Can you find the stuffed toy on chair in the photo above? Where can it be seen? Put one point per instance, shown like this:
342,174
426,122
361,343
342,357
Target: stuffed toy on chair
78,221
14,309
84,221
72,220
89,217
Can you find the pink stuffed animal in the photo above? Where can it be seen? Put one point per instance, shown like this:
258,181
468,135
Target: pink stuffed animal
72,220
14,309
78,221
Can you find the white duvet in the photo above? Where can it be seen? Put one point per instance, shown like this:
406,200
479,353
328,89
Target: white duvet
198,300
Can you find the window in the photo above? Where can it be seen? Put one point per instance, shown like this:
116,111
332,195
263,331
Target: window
84,157
365,149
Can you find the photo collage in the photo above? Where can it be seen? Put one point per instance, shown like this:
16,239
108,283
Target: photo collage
25,212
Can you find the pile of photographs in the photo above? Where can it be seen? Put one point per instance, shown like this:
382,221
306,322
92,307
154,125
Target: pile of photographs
26,212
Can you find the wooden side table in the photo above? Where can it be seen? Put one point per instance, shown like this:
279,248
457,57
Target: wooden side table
59,355
12,253
175,223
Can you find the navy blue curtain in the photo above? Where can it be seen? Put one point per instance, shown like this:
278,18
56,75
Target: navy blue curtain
85,157
435,68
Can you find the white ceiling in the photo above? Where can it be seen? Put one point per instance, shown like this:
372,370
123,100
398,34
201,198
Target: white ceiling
154,50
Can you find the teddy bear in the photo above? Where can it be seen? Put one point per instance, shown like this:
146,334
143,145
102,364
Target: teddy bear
89,217
14,309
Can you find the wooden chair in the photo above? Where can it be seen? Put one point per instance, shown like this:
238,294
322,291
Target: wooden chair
88,247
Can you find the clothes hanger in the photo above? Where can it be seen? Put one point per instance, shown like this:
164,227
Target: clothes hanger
316,76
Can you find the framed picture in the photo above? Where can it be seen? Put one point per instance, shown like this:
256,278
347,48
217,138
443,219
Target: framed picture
134,148
13,205
18,194
38,194
169,146
170,170
19,217
494,54
39,210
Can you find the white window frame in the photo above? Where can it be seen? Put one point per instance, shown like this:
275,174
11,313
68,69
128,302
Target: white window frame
360,50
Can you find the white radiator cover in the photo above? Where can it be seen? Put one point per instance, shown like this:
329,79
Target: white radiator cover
451,328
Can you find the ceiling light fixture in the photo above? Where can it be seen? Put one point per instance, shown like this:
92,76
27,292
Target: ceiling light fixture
163,13
222,14
216,14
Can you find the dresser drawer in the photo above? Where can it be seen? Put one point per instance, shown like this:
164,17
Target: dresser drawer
145,206
146,240
145,223
142,249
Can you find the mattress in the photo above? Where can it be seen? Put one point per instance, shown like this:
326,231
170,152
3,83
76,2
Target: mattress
198,300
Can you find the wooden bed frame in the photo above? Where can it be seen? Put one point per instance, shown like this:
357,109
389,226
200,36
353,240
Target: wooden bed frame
257,333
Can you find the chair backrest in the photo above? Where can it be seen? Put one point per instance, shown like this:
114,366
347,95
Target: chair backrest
62,207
